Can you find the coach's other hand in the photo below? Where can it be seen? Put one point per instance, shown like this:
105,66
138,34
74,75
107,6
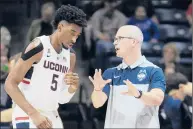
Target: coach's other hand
132,90
41,121
72,80
98,81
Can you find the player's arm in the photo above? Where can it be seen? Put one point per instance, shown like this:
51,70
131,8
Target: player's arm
66,95
157,88
32,54
101,87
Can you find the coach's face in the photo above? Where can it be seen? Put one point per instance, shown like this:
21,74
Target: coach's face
124,45
69,33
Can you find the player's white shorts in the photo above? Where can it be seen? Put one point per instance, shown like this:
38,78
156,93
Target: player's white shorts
21,120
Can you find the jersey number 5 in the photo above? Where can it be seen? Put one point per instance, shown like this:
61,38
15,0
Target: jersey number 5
54,82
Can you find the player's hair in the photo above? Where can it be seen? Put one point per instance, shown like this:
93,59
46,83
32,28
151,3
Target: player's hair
71,14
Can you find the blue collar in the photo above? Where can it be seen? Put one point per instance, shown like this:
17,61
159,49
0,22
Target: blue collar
123,65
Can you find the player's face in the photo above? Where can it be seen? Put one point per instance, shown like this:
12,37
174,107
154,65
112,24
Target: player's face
69,34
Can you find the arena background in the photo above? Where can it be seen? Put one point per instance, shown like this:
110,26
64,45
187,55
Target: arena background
171,17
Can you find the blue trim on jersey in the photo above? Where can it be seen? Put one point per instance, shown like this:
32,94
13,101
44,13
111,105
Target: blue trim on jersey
142,72
22,125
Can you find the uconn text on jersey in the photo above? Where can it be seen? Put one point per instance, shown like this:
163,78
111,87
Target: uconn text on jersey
54,66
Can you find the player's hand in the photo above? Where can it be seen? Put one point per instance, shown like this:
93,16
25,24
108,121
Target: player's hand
72,80
41,121
132,90
98,81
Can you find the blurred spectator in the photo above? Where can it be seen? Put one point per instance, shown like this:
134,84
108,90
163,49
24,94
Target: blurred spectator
5,43
173,80
186,89
170,105
105,22
4,50
43,25
6,102
5,36
170,61
4,73
149,28
4,62
171,108
189,18
128,8
181,92
189,14
89,7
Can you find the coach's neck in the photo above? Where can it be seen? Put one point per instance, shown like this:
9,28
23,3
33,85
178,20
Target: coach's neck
131,59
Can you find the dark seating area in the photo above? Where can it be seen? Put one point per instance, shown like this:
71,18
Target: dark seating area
173,26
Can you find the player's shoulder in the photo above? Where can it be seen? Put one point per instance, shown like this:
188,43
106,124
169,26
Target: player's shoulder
34,49
35,43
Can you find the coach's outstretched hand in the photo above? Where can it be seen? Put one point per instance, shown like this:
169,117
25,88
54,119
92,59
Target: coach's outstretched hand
72,80
41,121
98,81
132,90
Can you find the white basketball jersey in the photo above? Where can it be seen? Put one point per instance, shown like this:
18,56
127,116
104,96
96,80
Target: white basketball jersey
47,79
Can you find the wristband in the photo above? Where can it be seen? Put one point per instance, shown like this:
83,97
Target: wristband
140,94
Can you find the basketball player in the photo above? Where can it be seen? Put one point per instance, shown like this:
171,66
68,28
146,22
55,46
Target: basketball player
44,73
138,85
